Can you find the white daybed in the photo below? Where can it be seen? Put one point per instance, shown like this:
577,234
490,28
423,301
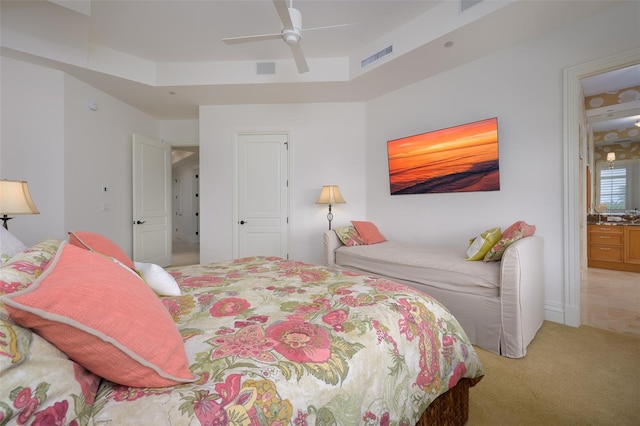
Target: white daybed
500,305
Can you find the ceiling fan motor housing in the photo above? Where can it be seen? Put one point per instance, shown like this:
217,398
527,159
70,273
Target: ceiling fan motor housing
292,35
296,18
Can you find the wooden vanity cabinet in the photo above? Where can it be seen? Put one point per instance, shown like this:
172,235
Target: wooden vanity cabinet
614,247
632,245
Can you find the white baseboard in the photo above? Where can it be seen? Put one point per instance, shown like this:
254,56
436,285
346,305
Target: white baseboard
554,312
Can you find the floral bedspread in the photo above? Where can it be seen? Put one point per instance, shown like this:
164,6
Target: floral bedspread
278,342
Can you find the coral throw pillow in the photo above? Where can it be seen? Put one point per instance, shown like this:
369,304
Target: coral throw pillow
369,232
510,235
349,236
99,244
105,318
480,245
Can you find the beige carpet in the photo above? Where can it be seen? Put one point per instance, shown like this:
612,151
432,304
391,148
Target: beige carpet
570,376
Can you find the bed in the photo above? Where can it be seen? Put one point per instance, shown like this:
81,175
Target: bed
260,341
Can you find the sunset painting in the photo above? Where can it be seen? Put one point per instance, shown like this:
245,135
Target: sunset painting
457,159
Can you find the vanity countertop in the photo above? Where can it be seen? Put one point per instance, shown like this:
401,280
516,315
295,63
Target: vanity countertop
615,223
613,220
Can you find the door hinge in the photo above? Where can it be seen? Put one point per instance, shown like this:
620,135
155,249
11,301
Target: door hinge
287,220
287,256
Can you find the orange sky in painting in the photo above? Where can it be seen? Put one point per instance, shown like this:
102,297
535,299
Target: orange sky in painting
418,158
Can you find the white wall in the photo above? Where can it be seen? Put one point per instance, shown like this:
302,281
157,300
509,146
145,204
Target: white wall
180,132
98,152
67,153
326,147
523,88
32,144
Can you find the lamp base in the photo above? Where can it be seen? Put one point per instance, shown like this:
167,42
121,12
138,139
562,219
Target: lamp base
5,219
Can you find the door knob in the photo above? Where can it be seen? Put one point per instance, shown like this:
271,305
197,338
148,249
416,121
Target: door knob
140,222
242,222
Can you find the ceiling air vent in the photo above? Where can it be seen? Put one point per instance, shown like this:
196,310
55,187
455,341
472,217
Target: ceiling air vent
376,56
466,4
266,68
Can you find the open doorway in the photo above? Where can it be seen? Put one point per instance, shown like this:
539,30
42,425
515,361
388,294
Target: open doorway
575,187
611,272
185,207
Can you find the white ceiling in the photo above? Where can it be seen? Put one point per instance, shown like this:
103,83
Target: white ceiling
191,31
184,35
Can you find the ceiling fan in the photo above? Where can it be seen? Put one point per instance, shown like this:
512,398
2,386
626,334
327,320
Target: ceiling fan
291,32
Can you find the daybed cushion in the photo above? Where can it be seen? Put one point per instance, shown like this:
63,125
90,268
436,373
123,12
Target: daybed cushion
368,231
510,235
443,267
104,317
100,244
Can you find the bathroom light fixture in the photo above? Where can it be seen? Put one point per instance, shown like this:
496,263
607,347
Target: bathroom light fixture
330,194
15,199
611,157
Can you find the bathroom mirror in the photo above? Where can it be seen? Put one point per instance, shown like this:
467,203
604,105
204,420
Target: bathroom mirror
612,105
614,153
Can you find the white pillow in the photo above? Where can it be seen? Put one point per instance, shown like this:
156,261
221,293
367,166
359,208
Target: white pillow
9,245
158,279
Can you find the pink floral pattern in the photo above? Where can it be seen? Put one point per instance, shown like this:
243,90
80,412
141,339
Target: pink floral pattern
249,342
24,268
231,306
300,341
62,395
39,384
259,330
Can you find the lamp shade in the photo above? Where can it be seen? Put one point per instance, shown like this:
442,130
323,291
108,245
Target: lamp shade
611,156
330,194
15,198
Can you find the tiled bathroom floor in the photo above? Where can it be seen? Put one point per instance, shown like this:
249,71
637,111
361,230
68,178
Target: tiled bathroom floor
611,300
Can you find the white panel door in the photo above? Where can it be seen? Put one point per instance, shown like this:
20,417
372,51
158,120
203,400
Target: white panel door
151,201
262,195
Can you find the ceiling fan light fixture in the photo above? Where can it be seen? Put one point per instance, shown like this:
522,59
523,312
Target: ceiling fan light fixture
291,37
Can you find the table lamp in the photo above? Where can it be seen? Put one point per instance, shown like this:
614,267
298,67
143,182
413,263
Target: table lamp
15,199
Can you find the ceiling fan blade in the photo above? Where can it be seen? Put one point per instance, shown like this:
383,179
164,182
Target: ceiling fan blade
298,56
246,39
328,26
283,12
